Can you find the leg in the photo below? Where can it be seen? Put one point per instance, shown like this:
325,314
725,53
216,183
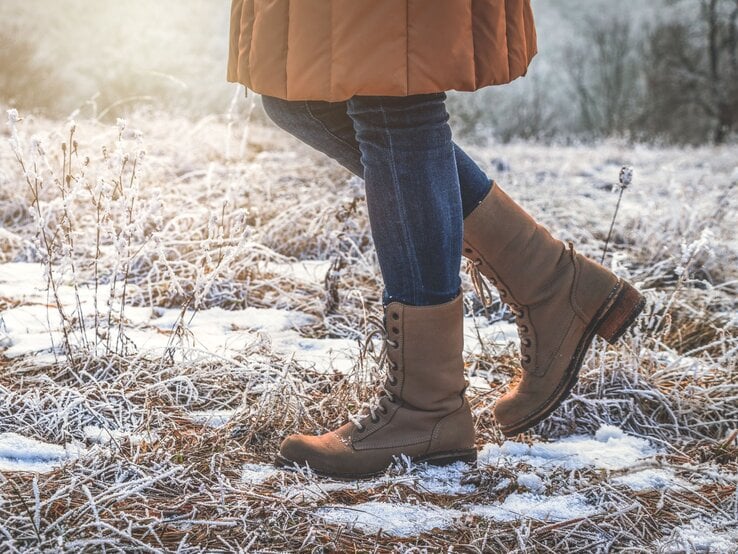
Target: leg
412,191
328,128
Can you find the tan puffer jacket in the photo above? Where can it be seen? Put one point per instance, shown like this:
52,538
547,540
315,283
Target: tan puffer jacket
333,49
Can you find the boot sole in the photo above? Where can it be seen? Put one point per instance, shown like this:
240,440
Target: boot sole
616,315
468,455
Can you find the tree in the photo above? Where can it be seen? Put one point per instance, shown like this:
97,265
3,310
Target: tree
692,72
602,70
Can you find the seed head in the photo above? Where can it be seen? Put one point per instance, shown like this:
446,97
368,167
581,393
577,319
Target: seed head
13,117
626,176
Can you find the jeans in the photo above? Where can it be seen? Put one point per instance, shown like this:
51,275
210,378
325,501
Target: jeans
419,184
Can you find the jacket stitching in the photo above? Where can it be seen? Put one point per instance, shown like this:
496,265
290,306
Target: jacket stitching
407,46
287,50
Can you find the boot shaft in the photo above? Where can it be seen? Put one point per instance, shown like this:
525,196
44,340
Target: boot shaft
525,257
426,344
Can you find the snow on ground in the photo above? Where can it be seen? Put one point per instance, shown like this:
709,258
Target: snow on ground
100,435
610,448
713,536
257,473
19,453
34,326
650,479
533,506
400,520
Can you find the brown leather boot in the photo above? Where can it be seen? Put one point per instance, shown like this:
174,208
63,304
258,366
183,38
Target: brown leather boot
422,412
561,300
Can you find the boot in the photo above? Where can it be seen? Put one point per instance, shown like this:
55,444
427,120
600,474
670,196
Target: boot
560,298
422,413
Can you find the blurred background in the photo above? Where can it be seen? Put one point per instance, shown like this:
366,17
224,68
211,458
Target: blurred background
659,71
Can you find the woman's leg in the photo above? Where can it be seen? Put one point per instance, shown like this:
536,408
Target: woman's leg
327,127
412,194
414,201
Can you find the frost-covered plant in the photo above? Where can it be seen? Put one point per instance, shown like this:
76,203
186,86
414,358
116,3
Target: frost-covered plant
98,228
63,190
624,181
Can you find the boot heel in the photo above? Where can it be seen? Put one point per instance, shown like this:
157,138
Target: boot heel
623,312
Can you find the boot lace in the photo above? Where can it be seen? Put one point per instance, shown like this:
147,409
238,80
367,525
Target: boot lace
374,407
483,291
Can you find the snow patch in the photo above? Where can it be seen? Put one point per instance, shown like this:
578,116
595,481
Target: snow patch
35,328
100,435
650,479
531,481
533,506
442,479
702,536
19,453
426,478
256,474
610,448
399,520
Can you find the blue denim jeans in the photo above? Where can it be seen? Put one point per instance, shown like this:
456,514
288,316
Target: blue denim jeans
419,184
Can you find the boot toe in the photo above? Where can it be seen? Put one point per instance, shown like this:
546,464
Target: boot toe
323,453
294,449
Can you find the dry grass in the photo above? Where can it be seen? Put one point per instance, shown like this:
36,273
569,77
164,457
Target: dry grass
171,484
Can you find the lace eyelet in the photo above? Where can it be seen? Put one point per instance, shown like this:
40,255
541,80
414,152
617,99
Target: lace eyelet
477,262
524,328
395,315
468,250
393,343
526,359
393,366
360,429
526,342
393,382
384,409
375,420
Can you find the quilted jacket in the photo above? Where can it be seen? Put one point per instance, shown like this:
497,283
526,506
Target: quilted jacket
334,49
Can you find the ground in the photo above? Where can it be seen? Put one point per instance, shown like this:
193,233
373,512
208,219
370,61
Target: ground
176,297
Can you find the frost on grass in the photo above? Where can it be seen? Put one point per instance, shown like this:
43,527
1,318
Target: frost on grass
708,535
100,435
252,291
19,453
400,520
33,327
211,418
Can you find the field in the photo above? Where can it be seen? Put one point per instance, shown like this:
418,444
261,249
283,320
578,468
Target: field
177,296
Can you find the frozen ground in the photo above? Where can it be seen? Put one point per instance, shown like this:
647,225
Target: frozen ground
145,418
